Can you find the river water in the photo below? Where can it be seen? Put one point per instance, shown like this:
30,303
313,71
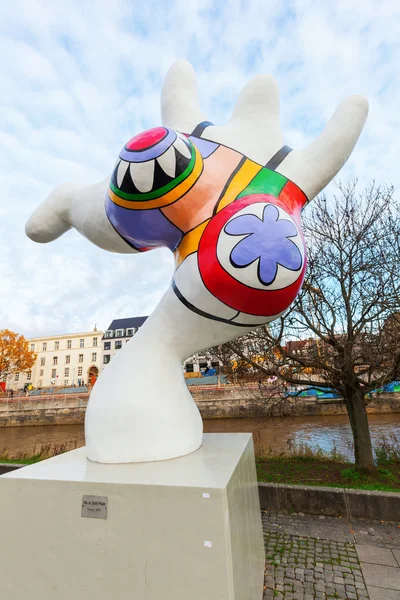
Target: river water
274,434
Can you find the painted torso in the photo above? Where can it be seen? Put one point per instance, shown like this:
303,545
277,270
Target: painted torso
233,225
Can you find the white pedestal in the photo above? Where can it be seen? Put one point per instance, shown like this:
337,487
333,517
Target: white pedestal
183,529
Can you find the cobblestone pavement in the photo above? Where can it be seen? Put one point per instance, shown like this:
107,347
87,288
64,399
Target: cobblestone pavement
311,557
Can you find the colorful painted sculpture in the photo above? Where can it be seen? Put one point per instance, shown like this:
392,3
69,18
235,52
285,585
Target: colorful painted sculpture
227,201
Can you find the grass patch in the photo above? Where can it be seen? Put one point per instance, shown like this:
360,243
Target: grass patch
41,453
330,473
303,464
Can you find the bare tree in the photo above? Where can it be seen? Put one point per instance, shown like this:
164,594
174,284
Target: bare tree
344,326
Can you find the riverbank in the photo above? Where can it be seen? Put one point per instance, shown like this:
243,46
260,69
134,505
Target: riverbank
231,402
272,435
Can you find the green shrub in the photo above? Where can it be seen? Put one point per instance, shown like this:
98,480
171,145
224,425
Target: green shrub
387,450
350,474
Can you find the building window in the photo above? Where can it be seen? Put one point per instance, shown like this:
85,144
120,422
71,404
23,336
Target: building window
69,344
106,359
94,356
109,333
42,362
29,376
215,365
95,341
189,368
32,347
119,333
55,360
80,358
203,365
82,343
118,344
130,332
65,381
53,373
16,376
67,359
56,345
41,373
44,346
66,372
79,371
107,345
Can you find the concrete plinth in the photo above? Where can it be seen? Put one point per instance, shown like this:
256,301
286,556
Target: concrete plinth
182,529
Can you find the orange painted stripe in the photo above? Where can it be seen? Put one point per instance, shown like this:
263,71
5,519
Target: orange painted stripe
240,181
189,243
167,198
198,204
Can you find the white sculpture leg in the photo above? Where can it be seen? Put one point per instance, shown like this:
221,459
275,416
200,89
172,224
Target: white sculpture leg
140,408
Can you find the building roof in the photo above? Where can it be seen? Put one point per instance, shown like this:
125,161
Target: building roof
127,323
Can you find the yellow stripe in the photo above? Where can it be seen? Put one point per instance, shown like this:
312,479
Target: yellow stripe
239,182
189,243
167,198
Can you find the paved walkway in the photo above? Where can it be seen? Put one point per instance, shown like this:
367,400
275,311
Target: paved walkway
311,557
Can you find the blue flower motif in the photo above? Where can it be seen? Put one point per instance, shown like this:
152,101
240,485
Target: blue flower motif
267,240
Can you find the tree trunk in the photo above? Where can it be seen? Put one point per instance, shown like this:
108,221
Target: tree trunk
358,417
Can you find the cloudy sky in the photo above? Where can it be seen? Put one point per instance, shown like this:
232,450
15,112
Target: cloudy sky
80,78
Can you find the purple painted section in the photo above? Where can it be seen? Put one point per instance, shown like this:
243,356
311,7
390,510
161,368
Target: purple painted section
268,239
143,228
205,147
150,153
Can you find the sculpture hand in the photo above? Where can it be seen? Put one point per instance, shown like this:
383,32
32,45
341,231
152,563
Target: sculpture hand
254,128
78,206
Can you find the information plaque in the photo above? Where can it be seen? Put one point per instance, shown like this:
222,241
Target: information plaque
94,507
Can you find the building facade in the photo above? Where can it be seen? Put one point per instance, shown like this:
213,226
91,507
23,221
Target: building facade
199,364
62,360
119,332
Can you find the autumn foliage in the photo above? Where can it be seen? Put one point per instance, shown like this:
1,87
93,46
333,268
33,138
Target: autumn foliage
15,356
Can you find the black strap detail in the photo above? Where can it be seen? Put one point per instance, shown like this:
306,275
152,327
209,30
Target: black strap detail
276,160
200,312
197,131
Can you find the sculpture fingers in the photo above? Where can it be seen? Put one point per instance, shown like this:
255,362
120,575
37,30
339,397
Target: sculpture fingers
315,166
254,128
180,106
258,102
81,207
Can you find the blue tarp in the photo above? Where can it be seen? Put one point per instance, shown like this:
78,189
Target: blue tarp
323,393
212,380
392,387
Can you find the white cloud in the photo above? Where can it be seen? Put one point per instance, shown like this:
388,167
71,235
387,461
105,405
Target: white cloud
78,79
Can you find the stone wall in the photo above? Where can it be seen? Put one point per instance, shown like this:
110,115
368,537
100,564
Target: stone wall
246,406
213,404
43,416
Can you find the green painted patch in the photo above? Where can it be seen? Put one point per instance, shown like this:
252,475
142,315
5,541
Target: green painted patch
265,182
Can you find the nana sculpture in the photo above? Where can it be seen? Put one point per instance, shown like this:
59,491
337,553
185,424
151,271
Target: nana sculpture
226,200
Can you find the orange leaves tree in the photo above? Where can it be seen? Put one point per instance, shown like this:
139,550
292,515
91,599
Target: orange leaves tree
15,356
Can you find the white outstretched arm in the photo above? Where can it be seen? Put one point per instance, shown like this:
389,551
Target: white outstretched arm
81,207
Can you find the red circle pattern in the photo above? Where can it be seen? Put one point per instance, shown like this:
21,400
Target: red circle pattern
226,288
148,138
